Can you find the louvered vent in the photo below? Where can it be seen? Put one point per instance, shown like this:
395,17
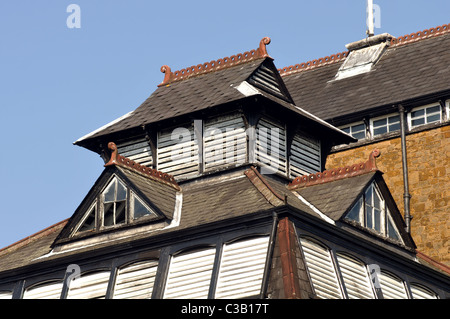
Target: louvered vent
392,287
225,141
242,268
91,286
305,156
136,281
420,292
5,295
178,152
321,269
271,146
190,275
51,290
266,79
138,151
356,278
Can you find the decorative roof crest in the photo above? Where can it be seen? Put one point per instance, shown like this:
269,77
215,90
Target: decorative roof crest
337,173
154,174
215,65
416,36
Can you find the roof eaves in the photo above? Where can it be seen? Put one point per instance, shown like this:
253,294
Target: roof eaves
27,240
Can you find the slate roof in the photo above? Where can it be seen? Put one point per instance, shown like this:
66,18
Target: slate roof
200,92
407,70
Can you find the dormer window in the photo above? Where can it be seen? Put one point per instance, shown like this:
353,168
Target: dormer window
115,205
371,211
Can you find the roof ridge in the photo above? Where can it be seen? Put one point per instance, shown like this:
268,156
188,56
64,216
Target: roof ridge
25,241
337,173
263,187
215,65
313,63
154,174
405,39
421,35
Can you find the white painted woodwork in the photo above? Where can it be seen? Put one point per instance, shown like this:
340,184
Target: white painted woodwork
136,280
51,290
356,278
242,268
190,275
321,270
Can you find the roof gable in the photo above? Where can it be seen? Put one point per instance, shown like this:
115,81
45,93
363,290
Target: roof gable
146,196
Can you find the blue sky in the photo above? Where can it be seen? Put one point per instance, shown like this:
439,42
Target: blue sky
58,83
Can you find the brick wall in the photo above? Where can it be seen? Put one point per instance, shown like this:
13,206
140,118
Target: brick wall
428,154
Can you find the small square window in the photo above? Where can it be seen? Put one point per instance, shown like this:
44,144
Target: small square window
425,115
357,130
385,125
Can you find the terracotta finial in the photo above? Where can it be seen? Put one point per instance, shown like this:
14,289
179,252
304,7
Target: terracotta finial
372,162
262,50
114,152
167,74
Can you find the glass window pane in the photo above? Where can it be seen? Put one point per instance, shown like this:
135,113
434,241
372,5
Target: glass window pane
394,119
379,123
377,219
433,110
110,192
394,127
120,212
434,118
121,191
369,196
108,214
379,130
369,216
418,122
359,136
391,232
139,209
354,213
346,130
89,222
418,113
358,128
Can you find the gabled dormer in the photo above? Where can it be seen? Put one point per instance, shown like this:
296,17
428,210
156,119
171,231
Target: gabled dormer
356,196
219,115
127,199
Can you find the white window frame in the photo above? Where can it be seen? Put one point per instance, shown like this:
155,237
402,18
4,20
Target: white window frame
447,109
372,120
384,217
424,107
355,124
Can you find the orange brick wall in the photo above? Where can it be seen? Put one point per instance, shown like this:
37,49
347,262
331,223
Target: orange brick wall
429,180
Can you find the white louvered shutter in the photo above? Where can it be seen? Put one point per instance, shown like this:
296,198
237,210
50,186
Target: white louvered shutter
321,269
177,152
190,275
356,278
225,141
138,151
419,292
50,290
305,156
242,268
5,295
271,146
136,281
90,286
391,286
